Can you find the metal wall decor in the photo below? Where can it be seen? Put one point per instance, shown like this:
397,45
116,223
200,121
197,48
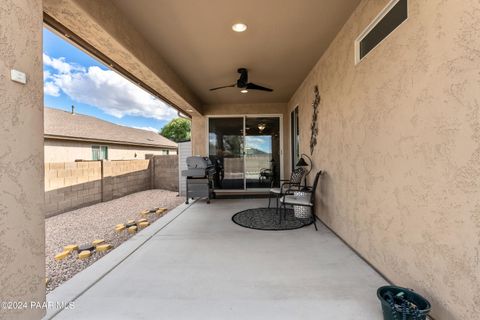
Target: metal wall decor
314,126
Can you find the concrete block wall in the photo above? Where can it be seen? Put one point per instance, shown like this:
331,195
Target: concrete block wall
166,172
124,177
71,185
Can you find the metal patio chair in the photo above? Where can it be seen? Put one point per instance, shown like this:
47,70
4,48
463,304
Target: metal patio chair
303,201
287,186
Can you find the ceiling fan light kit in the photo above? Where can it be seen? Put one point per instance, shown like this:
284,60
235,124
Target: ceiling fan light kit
239,27
242,83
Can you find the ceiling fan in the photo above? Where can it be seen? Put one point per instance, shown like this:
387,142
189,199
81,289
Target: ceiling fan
243,83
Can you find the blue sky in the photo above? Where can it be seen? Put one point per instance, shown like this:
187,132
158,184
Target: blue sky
263,143
72,77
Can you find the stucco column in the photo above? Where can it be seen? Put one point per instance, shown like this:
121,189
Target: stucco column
22,223
199,135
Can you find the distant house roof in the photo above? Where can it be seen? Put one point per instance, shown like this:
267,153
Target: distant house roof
64,125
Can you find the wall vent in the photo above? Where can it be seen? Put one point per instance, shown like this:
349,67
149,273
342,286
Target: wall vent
383,25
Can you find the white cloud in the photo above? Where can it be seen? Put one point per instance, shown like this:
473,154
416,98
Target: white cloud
60,65
259,142
147,128
46,75
106,90
49,88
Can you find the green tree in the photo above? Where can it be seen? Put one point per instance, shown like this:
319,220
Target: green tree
177,130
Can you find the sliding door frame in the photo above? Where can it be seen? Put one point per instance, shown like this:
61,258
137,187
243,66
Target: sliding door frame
294,127
245,116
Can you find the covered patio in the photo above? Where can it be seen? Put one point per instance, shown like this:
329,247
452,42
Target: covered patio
382,95
195,263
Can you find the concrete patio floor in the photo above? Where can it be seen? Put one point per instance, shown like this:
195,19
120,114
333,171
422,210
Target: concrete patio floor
200,265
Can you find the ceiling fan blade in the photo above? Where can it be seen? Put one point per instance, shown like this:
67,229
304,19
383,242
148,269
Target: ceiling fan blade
243,80
254,86
222,87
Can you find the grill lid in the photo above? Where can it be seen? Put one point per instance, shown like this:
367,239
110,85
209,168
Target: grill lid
197,162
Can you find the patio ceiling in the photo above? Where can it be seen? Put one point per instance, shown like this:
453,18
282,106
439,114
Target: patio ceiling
283,41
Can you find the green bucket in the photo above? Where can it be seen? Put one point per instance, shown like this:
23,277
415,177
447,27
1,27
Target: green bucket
402,304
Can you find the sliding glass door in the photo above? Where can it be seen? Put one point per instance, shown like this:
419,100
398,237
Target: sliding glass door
226,140
262,152
245,151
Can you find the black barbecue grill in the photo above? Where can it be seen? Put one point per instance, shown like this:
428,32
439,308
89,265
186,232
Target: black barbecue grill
200,175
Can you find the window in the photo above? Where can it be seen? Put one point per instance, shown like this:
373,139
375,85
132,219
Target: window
388,20
99,153
295,137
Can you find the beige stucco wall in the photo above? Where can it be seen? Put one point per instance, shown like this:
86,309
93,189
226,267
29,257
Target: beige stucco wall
22,244
399,139
200,123
69,151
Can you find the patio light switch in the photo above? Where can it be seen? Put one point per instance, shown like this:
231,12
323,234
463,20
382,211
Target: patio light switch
18,76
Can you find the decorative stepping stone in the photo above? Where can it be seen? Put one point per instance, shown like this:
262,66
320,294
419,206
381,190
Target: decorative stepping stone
140,223
154,210
128,225
70,247
86,247
144,224
86,250
84,254
62,255
103,247
97,242
160,211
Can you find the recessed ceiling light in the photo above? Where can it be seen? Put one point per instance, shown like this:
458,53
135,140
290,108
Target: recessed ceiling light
189,110
239,27
244,91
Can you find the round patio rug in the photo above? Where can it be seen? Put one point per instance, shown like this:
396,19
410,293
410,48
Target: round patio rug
267,219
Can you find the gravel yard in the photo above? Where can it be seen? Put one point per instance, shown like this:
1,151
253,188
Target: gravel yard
98,221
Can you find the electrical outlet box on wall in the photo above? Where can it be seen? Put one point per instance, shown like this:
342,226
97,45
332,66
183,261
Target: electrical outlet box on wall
18,76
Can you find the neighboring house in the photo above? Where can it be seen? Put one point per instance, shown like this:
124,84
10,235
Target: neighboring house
69,136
